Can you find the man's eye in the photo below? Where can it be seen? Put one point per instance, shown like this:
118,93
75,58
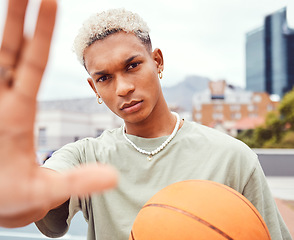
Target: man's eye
103,78
133,65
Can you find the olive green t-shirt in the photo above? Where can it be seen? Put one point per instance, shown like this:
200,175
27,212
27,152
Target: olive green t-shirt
196,152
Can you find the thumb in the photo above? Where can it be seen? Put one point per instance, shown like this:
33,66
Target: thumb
91,178
80,182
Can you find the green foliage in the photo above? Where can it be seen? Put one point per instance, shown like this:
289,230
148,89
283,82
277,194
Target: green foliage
286,109
261,135
278,130
288,140
247,137
275,125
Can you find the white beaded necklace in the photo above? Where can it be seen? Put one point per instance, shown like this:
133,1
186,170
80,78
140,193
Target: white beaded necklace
162,146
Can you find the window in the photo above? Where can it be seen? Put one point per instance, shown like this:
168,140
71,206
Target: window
198,107
217,116
235,108
250,108
236,116
218,107
198,116
42,139
257,98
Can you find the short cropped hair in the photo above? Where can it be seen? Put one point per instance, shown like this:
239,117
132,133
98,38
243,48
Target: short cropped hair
108,22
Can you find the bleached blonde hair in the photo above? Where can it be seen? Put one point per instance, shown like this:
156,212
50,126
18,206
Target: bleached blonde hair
100,25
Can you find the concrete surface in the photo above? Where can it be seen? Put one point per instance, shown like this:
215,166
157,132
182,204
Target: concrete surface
283,191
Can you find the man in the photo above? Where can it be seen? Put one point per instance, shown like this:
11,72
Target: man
154,148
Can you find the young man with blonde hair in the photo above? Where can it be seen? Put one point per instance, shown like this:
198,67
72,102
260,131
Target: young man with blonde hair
154,148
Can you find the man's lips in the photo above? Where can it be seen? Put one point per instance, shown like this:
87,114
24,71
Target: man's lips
130,105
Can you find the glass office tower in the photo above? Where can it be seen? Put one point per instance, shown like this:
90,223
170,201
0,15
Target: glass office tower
270,56
255,58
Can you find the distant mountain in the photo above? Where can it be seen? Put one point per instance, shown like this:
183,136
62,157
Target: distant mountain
182,93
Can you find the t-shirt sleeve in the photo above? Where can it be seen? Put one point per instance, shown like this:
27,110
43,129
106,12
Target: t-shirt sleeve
258,193
56,222
68,157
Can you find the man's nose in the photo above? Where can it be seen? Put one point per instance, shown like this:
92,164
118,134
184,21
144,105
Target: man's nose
124,86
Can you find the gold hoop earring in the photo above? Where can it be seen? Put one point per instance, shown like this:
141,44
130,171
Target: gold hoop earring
99,99
160,74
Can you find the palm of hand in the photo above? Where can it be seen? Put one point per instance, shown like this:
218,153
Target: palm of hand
24,186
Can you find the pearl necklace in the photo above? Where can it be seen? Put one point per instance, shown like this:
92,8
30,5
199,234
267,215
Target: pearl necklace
161,147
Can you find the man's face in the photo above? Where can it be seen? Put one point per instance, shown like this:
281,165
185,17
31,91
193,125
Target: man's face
125,75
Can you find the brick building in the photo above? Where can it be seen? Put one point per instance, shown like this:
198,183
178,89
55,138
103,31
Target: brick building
224,106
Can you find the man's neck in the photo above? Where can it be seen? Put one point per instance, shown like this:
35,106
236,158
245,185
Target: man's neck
156,125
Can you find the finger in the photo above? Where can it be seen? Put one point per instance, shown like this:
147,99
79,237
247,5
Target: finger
79,182
91,179
13,32
35,56
47,189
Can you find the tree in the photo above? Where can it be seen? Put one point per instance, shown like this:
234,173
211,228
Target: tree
278,130
286,109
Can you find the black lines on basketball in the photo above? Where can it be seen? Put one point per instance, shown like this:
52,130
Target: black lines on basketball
214,228
233,192
132,235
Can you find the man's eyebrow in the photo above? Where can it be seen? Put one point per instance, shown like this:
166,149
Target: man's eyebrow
127,61
99,73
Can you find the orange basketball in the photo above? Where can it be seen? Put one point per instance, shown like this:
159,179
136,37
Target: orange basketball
198,209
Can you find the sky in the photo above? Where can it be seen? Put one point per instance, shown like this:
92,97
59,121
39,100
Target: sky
197,37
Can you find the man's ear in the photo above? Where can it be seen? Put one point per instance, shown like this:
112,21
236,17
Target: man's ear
91,83
158,58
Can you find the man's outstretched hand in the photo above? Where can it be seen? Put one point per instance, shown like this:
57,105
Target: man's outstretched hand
28,192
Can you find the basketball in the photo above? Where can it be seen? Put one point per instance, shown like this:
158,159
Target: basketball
198,209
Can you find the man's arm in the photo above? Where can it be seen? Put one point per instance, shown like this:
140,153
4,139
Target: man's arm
258,192
54,224
28,192
22,218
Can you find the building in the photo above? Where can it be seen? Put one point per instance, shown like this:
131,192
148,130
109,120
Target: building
270,56
60,122
63,121
223,106
255,59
